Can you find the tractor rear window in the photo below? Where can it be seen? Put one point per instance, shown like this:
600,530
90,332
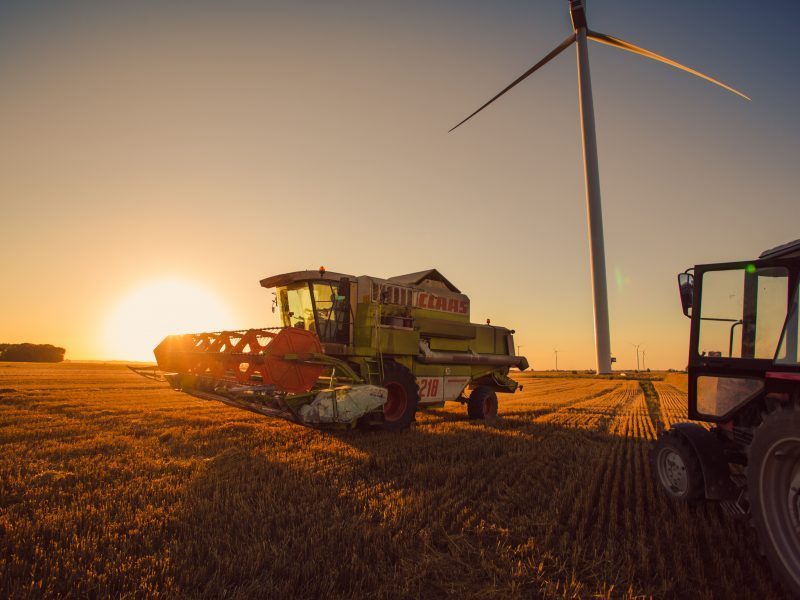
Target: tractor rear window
721,313
790,340
742,312
772,301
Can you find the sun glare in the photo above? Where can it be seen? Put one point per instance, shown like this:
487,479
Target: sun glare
157,309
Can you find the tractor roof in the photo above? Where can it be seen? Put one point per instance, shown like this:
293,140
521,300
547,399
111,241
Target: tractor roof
422,277
788,250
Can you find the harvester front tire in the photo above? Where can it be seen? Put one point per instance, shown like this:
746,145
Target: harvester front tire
401,406
773,489
677,468
482,403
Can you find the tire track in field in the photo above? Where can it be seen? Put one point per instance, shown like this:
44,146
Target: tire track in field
610,517
580,511
629,500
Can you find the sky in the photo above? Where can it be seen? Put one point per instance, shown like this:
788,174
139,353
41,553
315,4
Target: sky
207,145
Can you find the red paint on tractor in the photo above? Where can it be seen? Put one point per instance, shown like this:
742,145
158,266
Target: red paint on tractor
783,376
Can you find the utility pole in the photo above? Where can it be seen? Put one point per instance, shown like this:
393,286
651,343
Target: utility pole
637,354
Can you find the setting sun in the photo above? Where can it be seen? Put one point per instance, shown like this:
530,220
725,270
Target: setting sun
159,308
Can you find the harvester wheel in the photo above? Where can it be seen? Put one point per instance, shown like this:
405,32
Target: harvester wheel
482,403
677,468
401,405
773,489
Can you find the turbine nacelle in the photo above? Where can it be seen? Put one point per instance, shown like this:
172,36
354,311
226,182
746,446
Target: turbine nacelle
577,10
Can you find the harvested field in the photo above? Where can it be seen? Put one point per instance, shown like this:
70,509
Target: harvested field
678,380
673,404
113,485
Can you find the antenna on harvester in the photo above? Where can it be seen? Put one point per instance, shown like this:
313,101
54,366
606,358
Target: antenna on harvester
580,35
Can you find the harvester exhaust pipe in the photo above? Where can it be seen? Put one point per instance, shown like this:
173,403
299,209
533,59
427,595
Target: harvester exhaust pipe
429,356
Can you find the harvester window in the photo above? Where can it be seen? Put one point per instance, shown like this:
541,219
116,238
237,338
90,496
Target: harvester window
333,312
321,307
296,307
742,312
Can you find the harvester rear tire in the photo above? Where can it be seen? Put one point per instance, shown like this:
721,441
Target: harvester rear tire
482,403
773,489
401,406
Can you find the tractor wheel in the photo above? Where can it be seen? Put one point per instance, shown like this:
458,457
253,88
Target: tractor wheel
773,489
401,405
677,468
482,403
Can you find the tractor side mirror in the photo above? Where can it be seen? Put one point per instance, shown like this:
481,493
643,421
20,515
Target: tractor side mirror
686,289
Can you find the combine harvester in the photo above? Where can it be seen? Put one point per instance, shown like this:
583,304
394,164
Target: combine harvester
744,379
352,350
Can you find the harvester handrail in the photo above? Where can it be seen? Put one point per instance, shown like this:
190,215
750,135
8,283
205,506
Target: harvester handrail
314,358
277,328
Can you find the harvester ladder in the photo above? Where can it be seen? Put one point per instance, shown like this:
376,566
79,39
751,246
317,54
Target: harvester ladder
376,344
374,369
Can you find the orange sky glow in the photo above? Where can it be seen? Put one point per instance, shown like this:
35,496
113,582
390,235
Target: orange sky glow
159,161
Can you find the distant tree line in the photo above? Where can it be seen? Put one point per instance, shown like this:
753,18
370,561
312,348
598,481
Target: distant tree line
31,353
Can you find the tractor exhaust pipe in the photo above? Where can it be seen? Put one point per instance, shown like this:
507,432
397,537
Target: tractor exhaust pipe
429,356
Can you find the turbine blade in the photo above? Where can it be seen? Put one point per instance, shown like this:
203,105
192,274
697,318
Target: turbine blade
555,52
623,45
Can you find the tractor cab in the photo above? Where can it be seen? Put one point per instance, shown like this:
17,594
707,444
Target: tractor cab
744,330
316,301
744,376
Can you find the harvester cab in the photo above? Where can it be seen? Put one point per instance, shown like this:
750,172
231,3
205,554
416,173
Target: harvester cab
744,385
351,350
317,302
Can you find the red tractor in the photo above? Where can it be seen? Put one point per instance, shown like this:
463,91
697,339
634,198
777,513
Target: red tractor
744,380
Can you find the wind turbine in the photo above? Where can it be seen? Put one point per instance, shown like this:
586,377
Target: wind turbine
579,36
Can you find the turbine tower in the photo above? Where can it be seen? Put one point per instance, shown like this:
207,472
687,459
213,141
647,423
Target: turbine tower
580,37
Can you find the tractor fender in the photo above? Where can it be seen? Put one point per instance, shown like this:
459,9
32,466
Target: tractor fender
708,449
